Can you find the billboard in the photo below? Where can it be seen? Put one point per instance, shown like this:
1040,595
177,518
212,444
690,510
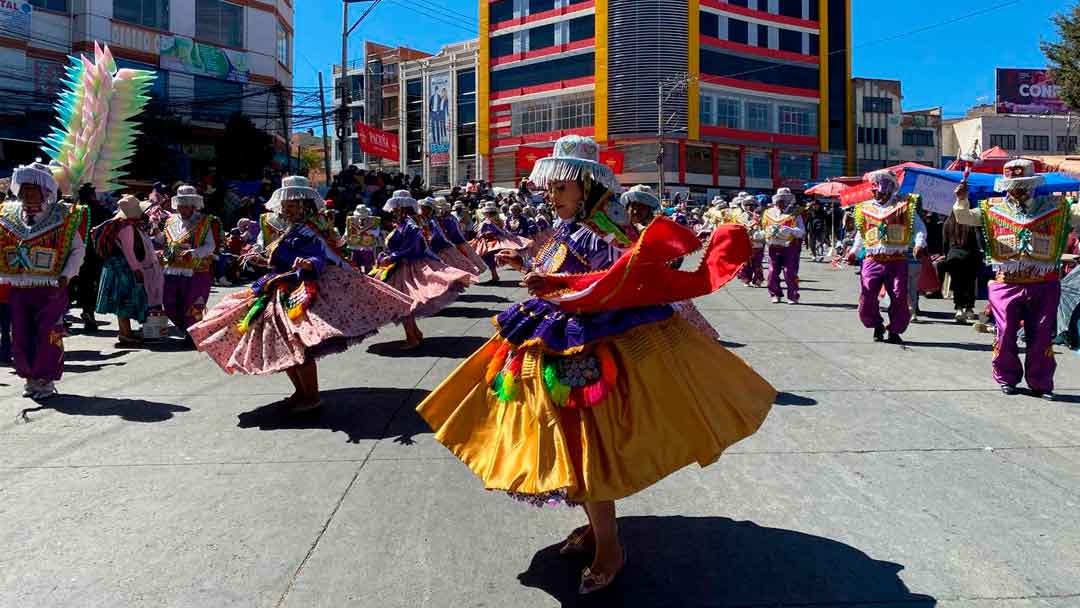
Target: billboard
439,119
181,54
1028,92
377,142
15,18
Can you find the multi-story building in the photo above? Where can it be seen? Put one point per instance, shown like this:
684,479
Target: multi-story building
743,93
214,58
885,135
439,116
1021,135
374,99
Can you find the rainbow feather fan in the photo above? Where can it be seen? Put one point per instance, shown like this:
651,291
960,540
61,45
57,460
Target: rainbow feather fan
95,138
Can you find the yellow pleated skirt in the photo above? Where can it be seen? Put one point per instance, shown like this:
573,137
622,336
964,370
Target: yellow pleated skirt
680,398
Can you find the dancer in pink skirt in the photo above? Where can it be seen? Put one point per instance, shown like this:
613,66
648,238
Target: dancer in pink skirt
440,244
312,304
492,238
451,228
409,266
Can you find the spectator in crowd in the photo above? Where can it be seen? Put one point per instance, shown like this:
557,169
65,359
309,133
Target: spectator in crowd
963,260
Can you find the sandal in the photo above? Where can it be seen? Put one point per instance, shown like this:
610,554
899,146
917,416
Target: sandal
592,582
579,542
299,407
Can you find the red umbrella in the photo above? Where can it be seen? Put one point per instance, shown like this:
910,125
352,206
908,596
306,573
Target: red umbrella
827,189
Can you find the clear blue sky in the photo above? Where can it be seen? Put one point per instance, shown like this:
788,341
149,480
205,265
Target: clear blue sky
951,65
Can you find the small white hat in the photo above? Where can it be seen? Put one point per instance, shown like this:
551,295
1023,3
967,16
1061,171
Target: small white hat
1019,173
188,196
294,188
783,196
38,174
642,195
401,199
884,181
131,207
489,207
427,201
362,211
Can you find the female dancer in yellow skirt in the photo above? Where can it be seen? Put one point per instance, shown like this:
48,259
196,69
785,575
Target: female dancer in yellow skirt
598,389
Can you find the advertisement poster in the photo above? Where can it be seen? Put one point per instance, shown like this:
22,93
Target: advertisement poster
377,142
1028,92
181,54
15,18
439,119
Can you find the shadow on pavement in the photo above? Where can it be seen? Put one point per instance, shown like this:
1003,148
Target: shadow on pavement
969,346
727,344
462,312
454,347
792,399
503,283
715,561
75,368
360,413
132,410
93,355
830,305
482,297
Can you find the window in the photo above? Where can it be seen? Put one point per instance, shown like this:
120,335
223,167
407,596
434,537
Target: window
1066,144
543,116
719,63
791,41
501,46
466,113
795,120
791,8
799,166
1008,142
52,5
873,135
727,113
814,42
758,165
216,100
357,153
918,137
414,120
219,22
738,31
356,86
877,105
710,24
565,68
149,13
542,37
1037,143
759,116
706,110
284,46
390,107
763,36
540,6
582,28
357,115
699,160
503,10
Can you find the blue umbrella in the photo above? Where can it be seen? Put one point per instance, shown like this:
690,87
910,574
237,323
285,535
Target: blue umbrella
936,186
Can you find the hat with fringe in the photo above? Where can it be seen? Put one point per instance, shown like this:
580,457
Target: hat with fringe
489,207
362,211
427,201
188,196
401,199
38,174
783,196
294,188
642,195
574,158
1019,173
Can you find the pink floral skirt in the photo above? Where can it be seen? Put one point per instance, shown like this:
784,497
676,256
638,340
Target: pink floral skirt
455,259
348,308
431,284
484,246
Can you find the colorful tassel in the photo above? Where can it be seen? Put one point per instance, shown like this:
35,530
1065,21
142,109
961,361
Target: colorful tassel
497,362
300,300
609,370
595,393
253,313
509,387
574,398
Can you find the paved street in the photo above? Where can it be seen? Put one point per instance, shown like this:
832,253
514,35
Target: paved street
883,477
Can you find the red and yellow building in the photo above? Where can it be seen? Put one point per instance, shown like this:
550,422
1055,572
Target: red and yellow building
756,93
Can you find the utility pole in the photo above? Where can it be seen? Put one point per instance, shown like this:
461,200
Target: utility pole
325,130
285,129
343,121
660,138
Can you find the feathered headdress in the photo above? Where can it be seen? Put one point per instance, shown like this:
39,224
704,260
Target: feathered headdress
95,136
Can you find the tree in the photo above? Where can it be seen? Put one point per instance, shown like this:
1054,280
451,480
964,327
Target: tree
243,151
1064,56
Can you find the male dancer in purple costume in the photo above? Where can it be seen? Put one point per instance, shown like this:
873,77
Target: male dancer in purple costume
889,228
1025,237
783,231
189,246
41,249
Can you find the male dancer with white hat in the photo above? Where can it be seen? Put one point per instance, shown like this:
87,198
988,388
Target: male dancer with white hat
189,248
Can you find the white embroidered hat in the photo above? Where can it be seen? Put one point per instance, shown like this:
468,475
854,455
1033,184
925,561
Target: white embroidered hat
642,195
783,196
188,196
574,157
402,199
38,174
884,181
294,188
1019,173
